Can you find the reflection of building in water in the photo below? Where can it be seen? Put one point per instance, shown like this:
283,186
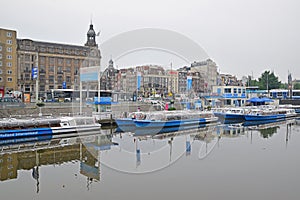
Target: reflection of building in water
8,165
31,156
229,130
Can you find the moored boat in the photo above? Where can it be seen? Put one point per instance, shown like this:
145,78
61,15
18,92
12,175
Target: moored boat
126,123
227,114
15,128
264,114
175,119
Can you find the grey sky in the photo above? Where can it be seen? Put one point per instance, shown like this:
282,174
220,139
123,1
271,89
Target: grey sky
241,36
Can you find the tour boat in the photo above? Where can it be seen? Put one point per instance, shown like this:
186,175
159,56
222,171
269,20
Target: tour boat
236,114
264,114
165,119
14,128
126,123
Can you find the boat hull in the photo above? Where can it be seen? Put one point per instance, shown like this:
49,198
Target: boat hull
264,117
173,123
125,125
35,132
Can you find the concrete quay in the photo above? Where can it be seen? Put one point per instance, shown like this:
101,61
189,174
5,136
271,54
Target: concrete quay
59,109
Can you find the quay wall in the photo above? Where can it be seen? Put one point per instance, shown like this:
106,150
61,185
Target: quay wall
290,101
59,109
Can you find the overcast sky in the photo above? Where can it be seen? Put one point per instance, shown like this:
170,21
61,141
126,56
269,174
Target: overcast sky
243,37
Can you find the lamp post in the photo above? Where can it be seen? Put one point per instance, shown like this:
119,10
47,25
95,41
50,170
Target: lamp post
37,79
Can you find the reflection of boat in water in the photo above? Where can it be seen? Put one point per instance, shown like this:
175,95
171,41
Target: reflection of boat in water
160,130
230,130
175,119
297,121
15,128
260,124
126,123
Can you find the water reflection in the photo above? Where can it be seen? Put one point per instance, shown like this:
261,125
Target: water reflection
34,153
126,152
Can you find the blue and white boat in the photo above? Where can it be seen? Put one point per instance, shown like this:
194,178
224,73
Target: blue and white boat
175,119
17,128
264,114
228,114
126,123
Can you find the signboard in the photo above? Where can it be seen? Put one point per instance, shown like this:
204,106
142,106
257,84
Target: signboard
89,73
64,85
189,83
34,73
26,98
139,80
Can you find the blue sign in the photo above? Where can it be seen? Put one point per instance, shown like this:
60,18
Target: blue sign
64,85
189,83
138,81
89,77
89,73
34,73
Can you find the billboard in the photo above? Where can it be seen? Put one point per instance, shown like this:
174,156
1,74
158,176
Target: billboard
89,73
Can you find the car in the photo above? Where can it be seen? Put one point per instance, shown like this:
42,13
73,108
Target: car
153,101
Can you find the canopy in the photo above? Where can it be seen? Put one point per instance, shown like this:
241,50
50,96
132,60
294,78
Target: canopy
256,100
266,99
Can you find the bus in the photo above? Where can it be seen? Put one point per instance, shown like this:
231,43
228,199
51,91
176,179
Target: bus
284,94
69,95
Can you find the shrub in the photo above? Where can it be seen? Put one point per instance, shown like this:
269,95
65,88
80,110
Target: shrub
172,108
40,104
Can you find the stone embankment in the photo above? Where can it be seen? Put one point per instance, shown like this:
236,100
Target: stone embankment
59,109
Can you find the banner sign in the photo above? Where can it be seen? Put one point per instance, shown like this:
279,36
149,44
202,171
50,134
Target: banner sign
89,73
139,80
34,73
189,83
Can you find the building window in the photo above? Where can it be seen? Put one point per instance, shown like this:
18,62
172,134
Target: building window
52,60
234,90
9,79
27,57
9,41
42,69
51,79
68,61
0,71
8,34
240,90
9,72
8,64
9,57
0,48
59,70
228,102
60,61
68,69
227,90
0,63
42,59
9,49
0,56
51,68
1,79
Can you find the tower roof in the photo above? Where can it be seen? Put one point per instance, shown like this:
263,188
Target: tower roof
91,32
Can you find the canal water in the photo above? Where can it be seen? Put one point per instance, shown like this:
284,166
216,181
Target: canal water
212,162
